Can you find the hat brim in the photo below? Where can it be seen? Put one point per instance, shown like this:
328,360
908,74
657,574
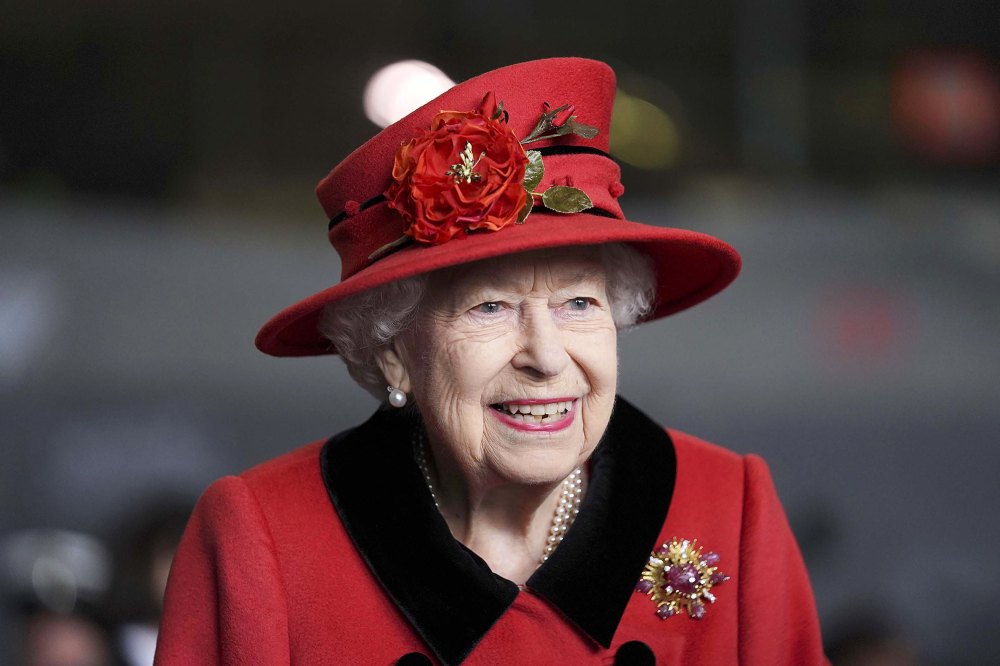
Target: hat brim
690,267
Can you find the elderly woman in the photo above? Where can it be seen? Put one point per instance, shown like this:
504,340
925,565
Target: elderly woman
503,505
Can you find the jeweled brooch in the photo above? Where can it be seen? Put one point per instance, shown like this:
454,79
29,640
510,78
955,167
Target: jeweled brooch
678,577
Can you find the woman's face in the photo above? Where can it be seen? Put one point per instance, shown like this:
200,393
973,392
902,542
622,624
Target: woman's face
513,364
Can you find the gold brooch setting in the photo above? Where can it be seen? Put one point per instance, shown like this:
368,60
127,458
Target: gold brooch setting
678,577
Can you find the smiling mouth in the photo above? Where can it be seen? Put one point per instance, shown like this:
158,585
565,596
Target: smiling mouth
537,413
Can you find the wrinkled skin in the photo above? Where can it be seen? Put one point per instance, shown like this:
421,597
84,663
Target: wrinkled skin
536,325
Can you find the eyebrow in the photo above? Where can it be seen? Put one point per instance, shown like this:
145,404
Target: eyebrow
587,275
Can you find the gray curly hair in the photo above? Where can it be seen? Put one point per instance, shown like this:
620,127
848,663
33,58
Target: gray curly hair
360,325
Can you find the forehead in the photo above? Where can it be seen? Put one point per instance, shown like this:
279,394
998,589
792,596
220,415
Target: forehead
556,267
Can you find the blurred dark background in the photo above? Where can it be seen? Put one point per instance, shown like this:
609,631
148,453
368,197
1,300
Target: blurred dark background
157,162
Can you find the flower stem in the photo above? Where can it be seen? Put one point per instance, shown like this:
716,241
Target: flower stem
389,247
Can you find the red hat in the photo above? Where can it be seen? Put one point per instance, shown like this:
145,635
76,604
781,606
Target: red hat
446,185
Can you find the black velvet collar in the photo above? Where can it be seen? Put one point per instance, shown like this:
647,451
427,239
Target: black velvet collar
446,591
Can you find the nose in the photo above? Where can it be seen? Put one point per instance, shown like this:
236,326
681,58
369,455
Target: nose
542,350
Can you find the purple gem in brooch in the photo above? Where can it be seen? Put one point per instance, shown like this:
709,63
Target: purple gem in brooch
678,577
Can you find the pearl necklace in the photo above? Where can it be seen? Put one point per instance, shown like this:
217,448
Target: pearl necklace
565,513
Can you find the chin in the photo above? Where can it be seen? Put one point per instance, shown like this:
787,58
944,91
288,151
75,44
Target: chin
532,469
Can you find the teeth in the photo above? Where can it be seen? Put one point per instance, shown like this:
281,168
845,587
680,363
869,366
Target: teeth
535,413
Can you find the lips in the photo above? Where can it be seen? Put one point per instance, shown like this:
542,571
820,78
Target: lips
535,414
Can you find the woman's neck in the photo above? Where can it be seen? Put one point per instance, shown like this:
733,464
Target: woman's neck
507,524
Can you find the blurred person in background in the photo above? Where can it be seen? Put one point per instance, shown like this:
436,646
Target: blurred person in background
143,557
65,639
503,505
56,583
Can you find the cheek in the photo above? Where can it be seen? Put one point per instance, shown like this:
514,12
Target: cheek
597,356
457,372
474,365
606,359
457,377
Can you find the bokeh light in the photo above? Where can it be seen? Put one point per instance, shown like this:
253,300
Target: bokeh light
946,106
396,89
642,134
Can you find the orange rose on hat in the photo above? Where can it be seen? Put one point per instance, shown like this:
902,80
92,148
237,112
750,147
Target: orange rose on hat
465,173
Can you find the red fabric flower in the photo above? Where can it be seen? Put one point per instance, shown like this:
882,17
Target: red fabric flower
465,173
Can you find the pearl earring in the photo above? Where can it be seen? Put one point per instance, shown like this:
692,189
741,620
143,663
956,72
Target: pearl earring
396,397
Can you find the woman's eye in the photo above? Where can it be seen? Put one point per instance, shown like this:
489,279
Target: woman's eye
578,303
490,307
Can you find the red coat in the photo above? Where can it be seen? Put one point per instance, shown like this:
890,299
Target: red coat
335,554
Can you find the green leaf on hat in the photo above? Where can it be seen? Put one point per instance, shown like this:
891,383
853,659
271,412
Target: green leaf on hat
526,211
534,171
586,131
564,199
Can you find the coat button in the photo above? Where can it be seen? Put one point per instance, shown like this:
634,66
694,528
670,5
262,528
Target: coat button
414,659
635,653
